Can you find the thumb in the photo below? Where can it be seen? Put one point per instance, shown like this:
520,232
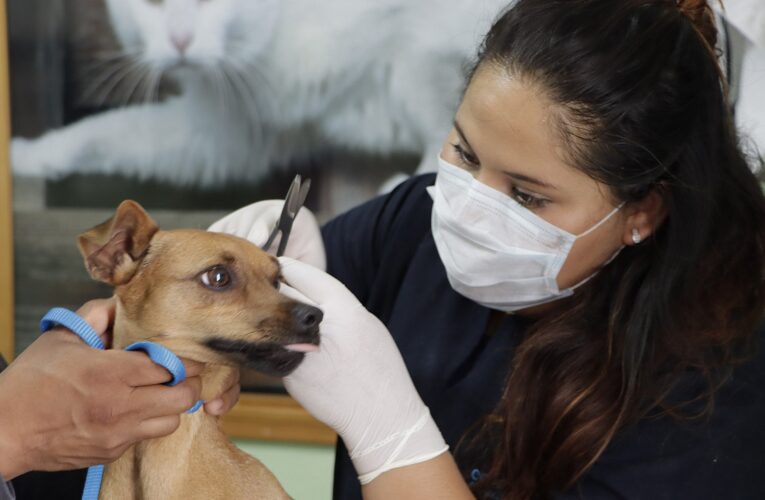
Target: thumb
293,294
314,283
99,314
253,222
260,231
256,231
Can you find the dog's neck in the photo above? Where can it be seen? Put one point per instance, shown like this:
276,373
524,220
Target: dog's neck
214,376
153,466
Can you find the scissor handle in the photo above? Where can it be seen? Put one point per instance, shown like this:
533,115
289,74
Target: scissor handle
282,246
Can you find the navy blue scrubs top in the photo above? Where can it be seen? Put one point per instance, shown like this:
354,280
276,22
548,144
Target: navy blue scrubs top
459,353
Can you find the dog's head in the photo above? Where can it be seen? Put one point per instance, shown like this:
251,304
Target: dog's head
206,296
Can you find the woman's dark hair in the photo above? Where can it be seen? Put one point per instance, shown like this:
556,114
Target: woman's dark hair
641,108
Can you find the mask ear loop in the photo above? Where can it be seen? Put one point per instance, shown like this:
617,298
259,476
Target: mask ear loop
588,278
603,220
610,259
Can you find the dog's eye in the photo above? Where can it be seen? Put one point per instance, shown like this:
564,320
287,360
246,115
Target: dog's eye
216,278
277,283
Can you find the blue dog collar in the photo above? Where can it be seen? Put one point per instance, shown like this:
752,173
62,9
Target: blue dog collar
58,316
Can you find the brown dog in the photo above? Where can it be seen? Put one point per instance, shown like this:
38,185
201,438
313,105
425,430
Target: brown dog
212,298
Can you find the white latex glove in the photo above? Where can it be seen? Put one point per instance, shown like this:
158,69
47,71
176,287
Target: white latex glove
255,223
357,382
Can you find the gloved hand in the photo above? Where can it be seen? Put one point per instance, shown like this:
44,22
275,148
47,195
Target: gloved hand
255,223
357,382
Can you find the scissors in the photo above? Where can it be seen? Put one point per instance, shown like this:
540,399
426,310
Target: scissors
292,203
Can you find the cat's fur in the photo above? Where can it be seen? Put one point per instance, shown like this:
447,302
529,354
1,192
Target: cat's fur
268,82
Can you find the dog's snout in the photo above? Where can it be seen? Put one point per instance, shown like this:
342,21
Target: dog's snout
308,317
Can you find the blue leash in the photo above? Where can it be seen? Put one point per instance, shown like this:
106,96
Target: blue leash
58,316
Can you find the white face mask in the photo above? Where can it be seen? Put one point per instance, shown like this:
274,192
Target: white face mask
496,252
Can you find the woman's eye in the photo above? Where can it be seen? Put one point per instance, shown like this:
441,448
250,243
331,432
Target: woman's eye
465,157
216,278
527,200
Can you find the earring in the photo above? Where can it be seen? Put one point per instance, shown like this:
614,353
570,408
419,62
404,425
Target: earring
636,238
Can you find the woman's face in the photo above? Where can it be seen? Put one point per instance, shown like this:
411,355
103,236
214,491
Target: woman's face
504,134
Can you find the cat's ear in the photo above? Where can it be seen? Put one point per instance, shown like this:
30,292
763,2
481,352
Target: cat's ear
114,249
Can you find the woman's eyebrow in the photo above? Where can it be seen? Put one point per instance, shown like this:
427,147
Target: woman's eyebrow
512,175
530,180
462,135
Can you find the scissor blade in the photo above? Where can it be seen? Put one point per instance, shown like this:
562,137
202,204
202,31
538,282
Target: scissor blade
292,193
303,194
292,200
285,218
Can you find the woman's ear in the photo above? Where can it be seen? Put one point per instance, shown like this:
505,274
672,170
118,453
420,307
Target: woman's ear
644,217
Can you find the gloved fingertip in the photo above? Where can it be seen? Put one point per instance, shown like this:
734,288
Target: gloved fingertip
286,261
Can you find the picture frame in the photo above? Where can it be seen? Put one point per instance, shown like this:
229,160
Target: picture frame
62,280
6,211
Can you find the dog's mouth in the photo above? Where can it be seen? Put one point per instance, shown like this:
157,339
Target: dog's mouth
267,357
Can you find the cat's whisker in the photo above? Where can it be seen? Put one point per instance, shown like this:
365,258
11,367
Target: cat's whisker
98,83
100,60
118,80
232,99
249,68
239,74
153,79
108,57
212,75
241,86
227,92
247,94
139,72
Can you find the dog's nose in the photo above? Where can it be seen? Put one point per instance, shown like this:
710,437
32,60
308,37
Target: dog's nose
308,317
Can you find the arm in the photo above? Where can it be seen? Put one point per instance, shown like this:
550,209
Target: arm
434,478
358,385
67,406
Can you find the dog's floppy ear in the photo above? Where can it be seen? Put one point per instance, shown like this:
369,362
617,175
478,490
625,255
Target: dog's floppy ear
113,250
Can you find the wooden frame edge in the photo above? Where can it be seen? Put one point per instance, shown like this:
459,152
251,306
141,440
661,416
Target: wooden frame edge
7,330
275,417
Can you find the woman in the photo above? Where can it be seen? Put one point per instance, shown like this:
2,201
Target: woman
575,298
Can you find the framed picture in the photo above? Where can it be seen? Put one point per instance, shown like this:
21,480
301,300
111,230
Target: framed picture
41,91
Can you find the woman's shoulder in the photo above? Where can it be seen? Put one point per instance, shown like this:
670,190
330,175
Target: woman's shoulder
360,243
718,454
403,212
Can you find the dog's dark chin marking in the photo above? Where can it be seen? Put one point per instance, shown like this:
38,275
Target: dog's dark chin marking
266,357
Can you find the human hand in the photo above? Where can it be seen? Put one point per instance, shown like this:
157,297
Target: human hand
357,382
256,221
66,405
100,315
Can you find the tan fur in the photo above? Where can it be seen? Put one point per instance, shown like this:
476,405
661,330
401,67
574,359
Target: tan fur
160,298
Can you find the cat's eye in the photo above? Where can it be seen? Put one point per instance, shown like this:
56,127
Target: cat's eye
216,278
